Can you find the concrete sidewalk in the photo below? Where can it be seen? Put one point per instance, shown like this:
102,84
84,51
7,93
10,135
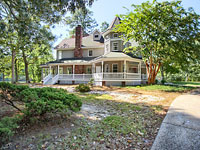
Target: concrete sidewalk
180,129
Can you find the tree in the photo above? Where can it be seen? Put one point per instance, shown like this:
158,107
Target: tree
84,18
104,26
162,30
19,17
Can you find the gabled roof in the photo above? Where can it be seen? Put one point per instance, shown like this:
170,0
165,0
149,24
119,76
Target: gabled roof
116,21
86,42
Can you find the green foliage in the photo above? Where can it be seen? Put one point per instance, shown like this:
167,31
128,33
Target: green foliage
163,81
39,101
84,18
91,82
104,26
163,88
7,126
164,31
83,88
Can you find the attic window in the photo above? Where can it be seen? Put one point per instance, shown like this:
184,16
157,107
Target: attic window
96,36
90,53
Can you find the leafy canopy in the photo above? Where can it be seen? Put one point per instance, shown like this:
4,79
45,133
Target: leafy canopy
84,18
162,30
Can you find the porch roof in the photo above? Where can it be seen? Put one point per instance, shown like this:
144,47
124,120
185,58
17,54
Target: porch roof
72,60
117,55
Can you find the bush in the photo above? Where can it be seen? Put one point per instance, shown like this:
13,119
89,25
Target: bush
7,126
39,101
163,81
83,88
91,82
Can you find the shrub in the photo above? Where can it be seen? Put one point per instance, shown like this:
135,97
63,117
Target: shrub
83,88
9,92
91,82
39,101
7,126
163,81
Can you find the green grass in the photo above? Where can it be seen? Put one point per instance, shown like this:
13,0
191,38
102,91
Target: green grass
187,83
127,123
162,88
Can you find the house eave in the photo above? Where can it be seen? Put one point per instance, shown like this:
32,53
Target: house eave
72,48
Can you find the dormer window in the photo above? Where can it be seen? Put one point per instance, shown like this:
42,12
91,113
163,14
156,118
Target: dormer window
115,46
115,35
96,35
90,53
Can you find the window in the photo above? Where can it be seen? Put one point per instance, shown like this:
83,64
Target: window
59,54
115,67
96,36
115,46
90,53
115,35
69,70
89,70
107,69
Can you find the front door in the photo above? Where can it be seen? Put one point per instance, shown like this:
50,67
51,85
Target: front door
98,69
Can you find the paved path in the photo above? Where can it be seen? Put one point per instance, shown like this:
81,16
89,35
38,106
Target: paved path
180,129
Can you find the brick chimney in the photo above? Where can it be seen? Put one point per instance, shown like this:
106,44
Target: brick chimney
78,52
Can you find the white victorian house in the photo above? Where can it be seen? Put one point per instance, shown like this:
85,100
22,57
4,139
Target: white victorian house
98,56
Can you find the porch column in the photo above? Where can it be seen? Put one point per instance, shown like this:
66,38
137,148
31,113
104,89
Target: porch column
58,69
73,71
102,66
93,68
124,68
50,70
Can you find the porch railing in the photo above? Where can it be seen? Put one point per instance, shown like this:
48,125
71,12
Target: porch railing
96,76
117,76
75,76
47,78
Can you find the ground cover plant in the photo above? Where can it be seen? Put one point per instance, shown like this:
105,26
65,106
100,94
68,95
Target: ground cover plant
34,103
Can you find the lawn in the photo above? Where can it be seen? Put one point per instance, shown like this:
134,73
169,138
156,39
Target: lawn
197,84
165,88
117,118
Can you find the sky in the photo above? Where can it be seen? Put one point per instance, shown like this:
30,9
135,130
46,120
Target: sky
106,10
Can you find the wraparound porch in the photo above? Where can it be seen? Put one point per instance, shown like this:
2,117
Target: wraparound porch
101,72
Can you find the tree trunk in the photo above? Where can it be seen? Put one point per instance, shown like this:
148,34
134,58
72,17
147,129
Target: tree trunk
152,71
13,66
16,71
26,67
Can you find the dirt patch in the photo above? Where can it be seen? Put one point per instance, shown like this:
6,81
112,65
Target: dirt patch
92,112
